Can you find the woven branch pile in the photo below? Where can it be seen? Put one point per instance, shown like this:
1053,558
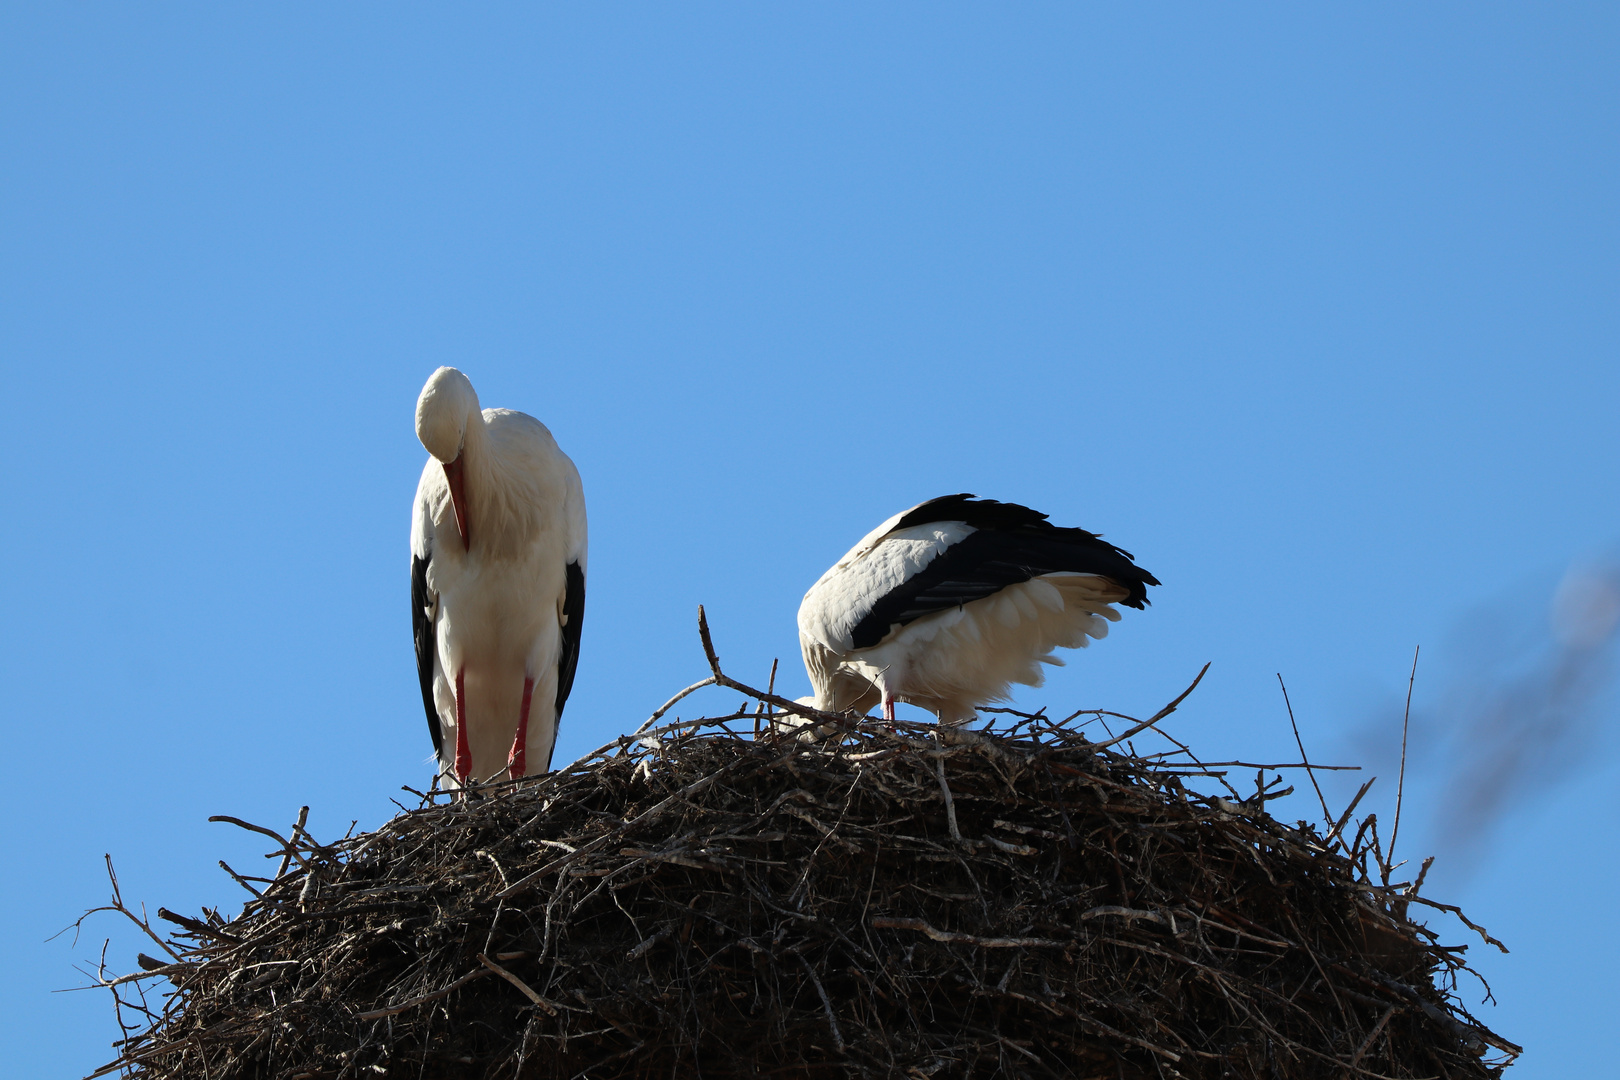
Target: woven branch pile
851,899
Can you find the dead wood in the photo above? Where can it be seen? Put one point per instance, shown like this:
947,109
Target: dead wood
848,899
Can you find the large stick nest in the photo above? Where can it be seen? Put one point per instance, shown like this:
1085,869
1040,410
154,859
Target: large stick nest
849,899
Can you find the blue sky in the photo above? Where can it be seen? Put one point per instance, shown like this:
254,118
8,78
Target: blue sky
1313,309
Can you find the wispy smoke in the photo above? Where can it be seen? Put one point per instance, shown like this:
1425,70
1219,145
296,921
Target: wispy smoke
1522,711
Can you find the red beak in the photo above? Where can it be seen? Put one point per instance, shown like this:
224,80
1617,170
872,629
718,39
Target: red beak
458,499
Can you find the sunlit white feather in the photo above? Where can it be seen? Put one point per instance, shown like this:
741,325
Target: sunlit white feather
951,661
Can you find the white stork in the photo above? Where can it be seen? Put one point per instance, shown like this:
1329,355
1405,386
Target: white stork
948,603
497,583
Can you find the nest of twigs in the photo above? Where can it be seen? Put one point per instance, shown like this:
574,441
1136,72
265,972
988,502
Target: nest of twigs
848,899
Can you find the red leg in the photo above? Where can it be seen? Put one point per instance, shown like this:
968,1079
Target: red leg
516,761
888,706
463,752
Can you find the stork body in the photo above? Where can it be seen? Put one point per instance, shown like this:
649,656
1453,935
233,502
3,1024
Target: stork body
498,552
947,604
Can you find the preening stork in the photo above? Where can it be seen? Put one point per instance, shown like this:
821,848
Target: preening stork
497,583
947,604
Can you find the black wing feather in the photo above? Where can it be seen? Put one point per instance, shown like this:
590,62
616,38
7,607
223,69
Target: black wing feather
426,644
1013,544
979,513
573,620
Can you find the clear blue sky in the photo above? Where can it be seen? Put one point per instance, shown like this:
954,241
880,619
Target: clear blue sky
1313,309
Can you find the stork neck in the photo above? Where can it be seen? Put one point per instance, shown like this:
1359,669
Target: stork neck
477,481
475,443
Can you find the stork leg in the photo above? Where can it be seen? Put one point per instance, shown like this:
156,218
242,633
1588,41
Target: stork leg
463,751
888,706
516,761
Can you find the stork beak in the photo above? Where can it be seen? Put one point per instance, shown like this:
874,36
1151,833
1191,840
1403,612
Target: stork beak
458,499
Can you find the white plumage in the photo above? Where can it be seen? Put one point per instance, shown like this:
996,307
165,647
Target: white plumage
947,604
498,546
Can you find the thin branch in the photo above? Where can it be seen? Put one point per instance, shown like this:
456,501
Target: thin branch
1400,784
286,846
378,1014
550,1008
239,879
286,859
950,938
1344,819
1327,815
826,1004
950,803
1156,717
666,706
840,720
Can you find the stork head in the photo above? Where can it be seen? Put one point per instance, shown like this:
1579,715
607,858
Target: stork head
447,405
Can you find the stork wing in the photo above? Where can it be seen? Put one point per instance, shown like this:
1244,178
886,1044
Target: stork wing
986,561
424,610
573,618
